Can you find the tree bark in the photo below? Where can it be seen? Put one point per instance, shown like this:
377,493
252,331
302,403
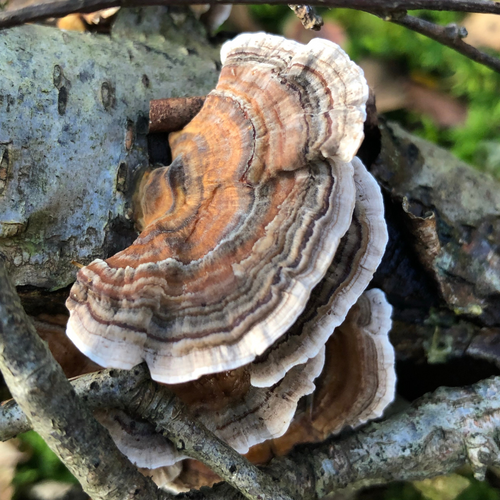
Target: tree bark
441,269
74,118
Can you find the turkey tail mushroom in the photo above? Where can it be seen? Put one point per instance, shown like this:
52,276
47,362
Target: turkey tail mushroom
241,226
257,244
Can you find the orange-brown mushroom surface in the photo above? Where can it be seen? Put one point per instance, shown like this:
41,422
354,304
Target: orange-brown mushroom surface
241,226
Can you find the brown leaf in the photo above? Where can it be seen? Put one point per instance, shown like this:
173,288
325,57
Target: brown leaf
483,29
10,456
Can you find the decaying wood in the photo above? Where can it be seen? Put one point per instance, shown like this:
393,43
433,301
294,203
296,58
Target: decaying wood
169,115
441,269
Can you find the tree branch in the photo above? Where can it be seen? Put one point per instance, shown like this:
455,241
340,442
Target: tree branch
440,432
60,8
389,10
42,391
134,392
450,35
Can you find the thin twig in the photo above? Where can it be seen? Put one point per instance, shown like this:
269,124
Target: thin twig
390,10
42,391
309,18
450,35
62,8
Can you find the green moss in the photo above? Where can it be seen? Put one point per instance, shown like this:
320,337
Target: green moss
453,73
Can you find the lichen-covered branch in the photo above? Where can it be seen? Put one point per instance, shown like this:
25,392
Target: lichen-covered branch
42,391
73,134
440,432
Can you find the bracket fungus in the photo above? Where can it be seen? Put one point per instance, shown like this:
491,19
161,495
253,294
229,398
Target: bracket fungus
256,242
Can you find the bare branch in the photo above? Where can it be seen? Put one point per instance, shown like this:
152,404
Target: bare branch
450,35
42,391
60,8
389,10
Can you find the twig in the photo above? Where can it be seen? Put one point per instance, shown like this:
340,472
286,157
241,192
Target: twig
309,18
42,391
174,113
443,431
62,8
450,35
167,412
134,392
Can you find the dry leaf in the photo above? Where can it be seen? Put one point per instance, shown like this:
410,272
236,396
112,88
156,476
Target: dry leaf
442,487
10,456
483,29
72,22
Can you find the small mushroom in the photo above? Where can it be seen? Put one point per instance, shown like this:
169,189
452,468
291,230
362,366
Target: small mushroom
241,226
358,380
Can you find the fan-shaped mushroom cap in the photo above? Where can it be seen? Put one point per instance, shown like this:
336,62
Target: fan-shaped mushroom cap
357,258
358,380
243,223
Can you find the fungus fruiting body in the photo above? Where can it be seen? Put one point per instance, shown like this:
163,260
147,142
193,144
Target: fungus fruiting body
256,242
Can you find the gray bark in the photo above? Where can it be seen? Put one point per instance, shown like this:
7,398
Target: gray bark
73,125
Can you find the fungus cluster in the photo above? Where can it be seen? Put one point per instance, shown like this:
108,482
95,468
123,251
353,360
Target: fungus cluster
246,283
